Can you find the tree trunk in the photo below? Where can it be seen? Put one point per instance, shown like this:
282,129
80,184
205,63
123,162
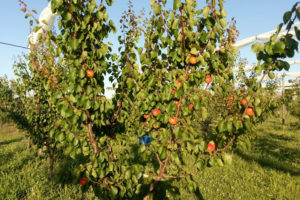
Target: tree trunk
51,156
29,142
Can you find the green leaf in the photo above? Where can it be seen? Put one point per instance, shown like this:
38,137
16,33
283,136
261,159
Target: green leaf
56,3
256,101
297,31
223,23
221,126
220,162
271,75
279,47
204,113
227,158
257,47
74,43
287,16
128,174
194,51
142,148
229,127
258,111
109,2
114,190
223,13
176,4
205,12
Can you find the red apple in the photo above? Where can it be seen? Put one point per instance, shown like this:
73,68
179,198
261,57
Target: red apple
179,84
250,111
176,103
191,106
173,92
208,79
244,102
173,120
83,181
210,147
155,112
146,116
90,73
193,60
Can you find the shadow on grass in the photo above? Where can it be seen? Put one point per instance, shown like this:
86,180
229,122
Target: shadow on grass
11,141
273,151
16,165
294,126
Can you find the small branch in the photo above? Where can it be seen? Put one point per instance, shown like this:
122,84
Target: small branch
158,159
164,24
227,146
70,11
119,109
178,108
111,151
91,135
182,26
130,72
183,44
165,163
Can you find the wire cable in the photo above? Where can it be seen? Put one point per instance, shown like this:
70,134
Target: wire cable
13,45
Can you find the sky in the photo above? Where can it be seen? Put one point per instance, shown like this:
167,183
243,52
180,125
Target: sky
253,18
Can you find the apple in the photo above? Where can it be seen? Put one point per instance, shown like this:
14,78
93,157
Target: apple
37,102
155,112
74,35
179,84
244,102
173,120
146,116
176,103
210,147
90,73
249,111
83,181
191,106
155,126
193,60
173,92
208,79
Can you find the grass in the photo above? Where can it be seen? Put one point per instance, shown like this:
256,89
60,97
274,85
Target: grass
24,175
270,169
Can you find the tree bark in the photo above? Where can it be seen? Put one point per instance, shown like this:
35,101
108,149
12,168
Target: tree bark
29,142
51,156
91,134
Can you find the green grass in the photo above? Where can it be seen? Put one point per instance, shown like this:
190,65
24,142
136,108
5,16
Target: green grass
270,169
24,175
